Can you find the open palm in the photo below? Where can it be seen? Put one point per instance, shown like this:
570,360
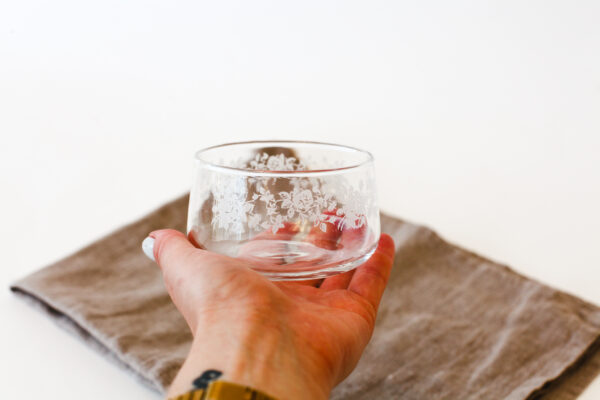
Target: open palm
323,325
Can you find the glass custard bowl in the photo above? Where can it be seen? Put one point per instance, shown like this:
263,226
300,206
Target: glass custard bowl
293,210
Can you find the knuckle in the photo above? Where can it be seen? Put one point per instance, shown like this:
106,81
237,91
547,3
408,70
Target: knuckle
378,267
366,308
387,246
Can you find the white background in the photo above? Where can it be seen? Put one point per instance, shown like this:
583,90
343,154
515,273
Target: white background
483,117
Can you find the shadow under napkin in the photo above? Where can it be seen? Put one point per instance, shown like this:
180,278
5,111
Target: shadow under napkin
451,325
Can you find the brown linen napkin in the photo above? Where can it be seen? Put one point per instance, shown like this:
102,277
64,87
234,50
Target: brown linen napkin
451,325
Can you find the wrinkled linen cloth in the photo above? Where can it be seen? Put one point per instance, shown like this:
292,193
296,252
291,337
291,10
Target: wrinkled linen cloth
451,325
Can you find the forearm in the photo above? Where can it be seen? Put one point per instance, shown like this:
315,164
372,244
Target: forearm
264,359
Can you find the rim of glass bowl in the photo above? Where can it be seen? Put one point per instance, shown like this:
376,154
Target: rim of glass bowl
311,172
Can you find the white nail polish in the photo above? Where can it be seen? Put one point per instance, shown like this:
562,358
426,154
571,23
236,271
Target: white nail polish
148,247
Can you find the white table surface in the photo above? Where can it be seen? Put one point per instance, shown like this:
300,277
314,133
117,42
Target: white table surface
484,118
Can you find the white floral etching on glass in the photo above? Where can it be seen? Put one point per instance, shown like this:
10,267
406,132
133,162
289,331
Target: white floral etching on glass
229,202
267,203
280,162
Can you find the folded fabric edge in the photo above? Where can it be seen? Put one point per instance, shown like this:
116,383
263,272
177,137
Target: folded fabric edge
79,330
570,379
576,376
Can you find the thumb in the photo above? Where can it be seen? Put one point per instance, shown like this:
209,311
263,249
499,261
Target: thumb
169,248
176,257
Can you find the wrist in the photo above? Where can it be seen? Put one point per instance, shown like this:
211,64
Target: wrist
257,354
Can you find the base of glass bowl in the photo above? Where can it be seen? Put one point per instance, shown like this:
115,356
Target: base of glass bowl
314,272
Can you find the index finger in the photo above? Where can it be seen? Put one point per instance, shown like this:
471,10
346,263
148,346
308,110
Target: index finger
369,279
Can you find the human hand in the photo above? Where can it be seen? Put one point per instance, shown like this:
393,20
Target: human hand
288,339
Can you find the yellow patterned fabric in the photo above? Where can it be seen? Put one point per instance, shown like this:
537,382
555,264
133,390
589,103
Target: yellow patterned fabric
223,390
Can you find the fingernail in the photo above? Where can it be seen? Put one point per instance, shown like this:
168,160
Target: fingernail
148,248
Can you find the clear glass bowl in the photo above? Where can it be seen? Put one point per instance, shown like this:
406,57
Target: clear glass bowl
293,210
